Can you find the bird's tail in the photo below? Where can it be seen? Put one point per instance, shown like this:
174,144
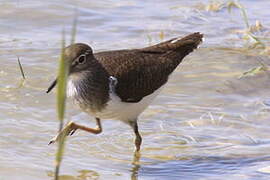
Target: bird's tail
186,44
173,51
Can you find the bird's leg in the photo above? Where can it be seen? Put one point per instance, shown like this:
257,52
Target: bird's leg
138,139
71,127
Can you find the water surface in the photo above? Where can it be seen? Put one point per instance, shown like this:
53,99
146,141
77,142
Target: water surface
206,124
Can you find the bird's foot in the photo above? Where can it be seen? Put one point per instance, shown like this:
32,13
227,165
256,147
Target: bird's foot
68,130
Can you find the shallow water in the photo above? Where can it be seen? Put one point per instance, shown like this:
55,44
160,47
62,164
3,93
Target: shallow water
206,124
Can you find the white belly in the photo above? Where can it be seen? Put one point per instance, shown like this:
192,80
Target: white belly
118,110
115,108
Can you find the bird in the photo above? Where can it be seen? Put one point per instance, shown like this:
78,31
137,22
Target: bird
120,84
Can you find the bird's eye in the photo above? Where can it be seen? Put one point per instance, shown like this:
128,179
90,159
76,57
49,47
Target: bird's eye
82,59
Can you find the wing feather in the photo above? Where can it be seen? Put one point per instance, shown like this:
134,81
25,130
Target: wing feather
140,72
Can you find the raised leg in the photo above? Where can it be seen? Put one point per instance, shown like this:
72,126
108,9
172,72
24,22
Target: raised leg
138,138
71,127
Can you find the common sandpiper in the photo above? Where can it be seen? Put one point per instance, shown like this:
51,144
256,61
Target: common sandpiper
120,84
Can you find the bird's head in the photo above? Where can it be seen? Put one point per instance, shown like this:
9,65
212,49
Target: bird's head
79,58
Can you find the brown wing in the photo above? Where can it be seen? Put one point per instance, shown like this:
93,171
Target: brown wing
142,71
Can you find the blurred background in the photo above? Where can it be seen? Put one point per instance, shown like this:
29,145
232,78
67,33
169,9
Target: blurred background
210,122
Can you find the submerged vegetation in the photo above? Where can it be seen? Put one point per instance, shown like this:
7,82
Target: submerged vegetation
256,35
21,68
22,82
250,32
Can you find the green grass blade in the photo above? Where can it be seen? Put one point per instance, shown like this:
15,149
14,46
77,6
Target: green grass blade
61,81
74,29
61,103
61,95
21,68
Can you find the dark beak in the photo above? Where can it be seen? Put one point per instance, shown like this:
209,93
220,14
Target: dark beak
52,86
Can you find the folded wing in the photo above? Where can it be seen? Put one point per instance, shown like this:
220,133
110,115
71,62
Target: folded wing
140,72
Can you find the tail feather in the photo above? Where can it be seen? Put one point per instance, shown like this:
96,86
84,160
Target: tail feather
188,42
172,52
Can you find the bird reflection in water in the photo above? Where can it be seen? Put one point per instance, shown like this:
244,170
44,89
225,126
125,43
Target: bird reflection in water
136,165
